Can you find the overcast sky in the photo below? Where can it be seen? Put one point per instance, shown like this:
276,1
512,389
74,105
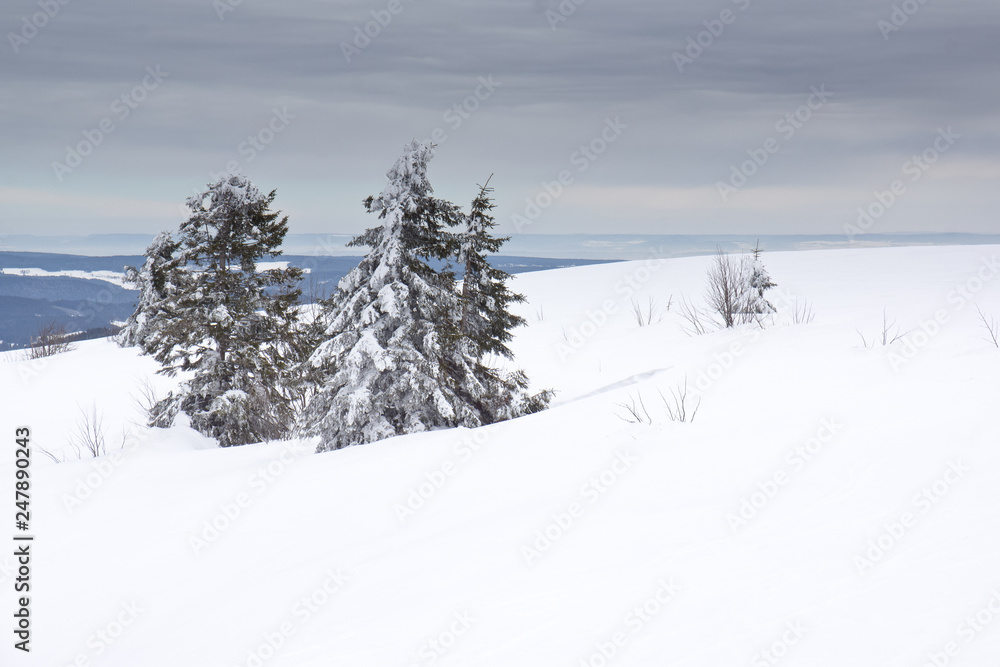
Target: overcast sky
726,116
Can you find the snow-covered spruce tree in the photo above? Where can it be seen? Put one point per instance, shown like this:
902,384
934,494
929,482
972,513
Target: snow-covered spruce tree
156,280
486,321
736,286
232,324
392,360
760,281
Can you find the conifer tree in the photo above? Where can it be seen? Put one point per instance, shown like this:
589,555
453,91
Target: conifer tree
760,281
403,350
231,323
157,281
384,358
486,321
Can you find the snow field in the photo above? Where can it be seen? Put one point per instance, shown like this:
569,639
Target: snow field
830,504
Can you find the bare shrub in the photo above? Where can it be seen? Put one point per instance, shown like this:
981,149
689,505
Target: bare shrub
803,312
992,327
890,333
698,321
677,404
646,314
679,409
57,459
50,339
90,436
635,409
735,291
146,398
89,439
734,295
727,288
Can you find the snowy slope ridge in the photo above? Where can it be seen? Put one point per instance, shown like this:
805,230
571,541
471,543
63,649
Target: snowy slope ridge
830,505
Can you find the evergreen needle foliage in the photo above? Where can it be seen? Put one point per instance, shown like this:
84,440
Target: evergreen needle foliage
402,348
223,319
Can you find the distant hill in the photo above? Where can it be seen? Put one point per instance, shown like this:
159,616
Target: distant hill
50,261
84,304
575,246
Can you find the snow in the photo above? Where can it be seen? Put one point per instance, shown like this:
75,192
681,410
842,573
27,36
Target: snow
432,548
113,277
268,266
235,188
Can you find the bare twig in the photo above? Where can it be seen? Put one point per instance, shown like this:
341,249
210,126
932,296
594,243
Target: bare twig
147,398
677,406
90,436
865,342
889,335
729,293
637,413
992,327
886,340
50,454
694,317
803,312
50,340
644,314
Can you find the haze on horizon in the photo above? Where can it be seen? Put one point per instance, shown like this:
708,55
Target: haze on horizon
806,111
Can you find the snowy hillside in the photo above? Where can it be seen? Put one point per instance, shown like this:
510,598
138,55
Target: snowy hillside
831,504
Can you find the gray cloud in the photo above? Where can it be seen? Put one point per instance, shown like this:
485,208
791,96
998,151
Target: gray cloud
686,129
